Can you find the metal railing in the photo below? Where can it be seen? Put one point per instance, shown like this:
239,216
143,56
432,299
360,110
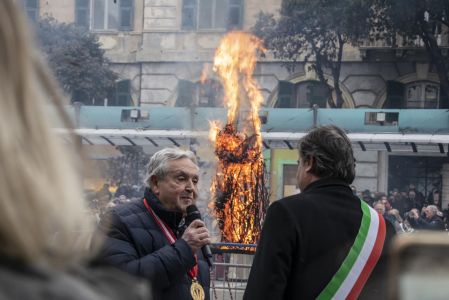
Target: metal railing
230,271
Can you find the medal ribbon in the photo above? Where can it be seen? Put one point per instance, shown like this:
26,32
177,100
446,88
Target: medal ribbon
193,272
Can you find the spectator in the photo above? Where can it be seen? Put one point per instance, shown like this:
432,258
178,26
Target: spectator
44,232
380,208
367,197
384,200
431,221
419,195
123,189
398,222
413,201
398,201
435,199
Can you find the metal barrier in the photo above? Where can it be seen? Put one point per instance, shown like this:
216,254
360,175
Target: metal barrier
232,264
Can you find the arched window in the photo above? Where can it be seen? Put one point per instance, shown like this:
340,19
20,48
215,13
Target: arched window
422,94
416,94
303,94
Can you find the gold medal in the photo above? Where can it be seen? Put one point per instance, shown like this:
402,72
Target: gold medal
196,290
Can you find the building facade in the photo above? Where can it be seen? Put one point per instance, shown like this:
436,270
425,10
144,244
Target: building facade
160,48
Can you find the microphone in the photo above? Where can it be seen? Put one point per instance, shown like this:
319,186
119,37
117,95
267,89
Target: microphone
193,214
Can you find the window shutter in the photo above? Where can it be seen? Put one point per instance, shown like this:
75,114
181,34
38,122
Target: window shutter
235,14
82,13
205,14
395,95
126,15
319,94
444,99
189,8
123,93
185,93
32,9
285,95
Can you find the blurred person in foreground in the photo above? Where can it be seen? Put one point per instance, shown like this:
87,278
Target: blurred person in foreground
44,228
148,237
302,257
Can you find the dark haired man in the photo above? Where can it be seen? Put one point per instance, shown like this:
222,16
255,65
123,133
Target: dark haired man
324,243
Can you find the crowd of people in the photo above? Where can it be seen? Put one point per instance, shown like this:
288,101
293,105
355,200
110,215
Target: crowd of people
409,210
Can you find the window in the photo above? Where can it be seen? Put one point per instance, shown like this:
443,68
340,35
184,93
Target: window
189,14
212,14
32,9
82,13
206,94
422,95
106,14
417,94
185,93
302,95
209,93
119,95
122,94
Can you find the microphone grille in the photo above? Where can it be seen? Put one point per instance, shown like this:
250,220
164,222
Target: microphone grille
191,208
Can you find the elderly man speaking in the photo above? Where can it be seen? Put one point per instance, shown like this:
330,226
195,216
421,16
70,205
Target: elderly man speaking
148,238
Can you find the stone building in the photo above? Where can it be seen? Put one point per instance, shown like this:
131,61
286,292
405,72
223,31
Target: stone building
159,48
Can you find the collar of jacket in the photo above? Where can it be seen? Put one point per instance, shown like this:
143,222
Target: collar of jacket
170,217
326,182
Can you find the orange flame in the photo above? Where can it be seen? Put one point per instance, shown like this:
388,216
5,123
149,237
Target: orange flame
239,189
235,61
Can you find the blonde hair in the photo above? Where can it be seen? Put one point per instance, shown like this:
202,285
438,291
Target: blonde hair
42,212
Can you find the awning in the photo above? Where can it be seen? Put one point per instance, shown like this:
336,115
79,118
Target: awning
394,142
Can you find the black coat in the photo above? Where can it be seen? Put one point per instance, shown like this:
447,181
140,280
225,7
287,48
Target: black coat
305,239
435,223
135,244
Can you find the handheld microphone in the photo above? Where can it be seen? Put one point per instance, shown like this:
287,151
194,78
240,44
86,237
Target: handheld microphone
192,215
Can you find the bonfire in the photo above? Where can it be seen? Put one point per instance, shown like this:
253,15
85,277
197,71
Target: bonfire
239,190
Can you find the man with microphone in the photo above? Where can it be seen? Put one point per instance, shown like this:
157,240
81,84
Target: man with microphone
154,237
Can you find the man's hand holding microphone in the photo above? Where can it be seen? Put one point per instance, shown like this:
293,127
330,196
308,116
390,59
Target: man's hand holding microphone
196,235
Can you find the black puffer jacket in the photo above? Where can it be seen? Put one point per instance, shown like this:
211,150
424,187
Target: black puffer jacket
135,244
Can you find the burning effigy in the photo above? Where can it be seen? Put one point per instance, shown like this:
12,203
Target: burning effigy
240,195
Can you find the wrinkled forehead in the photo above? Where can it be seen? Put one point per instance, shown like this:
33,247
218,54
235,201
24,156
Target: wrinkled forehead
183,165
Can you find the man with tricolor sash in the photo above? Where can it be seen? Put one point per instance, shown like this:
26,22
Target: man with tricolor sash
323,243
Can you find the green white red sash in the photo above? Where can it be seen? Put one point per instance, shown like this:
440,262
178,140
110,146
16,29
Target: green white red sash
349,280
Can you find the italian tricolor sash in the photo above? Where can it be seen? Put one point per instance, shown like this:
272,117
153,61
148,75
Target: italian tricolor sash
349,280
